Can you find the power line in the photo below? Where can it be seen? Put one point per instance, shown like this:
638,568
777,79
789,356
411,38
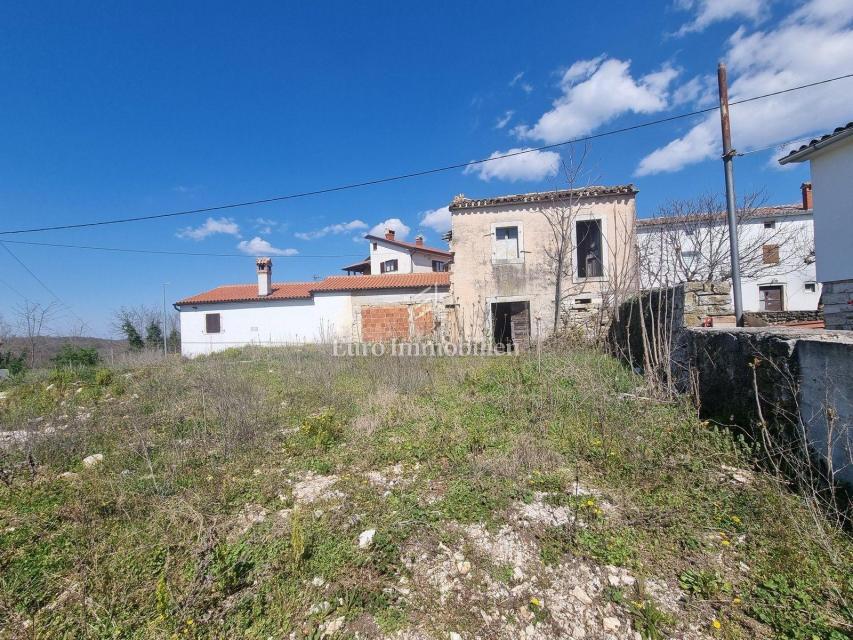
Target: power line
178,253
417,174
44,286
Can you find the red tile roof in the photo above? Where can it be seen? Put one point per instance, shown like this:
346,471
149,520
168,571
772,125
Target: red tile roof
384,281
818,143
595,191
411,245
305,290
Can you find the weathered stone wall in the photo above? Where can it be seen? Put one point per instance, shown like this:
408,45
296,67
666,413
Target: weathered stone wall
838,304
770,318
665,313
794,375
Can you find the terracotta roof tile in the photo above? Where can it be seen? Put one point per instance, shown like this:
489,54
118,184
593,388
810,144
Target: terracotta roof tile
757,214
305,290
839,132
411,245
461,202
384,281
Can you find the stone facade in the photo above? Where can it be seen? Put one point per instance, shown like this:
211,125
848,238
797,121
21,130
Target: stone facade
770,318
483,276
838,304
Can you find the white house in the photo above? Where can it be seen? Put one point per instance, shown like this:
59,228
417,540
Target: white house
776,247
831,158
404,301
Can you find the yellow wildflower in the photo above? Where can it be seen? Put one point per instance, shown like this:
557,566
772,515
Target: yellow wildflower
735,519
715,623
536,602
725,543
736,600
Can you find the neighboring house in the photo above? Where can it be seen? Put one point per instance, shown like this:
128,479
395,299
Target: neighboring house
355,308
831,158
504,267
776,247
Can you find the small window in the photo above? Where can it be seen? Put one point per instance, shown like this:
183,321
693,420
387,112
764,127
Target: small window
769,224
506,243
211,323
770,298
811,287
770,254
589,248
374,246
583,300
389,266
438,265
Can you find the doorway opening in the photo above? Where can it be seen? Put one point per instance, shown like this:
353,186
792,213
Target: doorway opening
511,324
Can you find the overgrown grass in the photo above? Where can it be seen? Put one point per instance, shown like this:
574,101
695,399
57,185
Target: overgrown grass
159,539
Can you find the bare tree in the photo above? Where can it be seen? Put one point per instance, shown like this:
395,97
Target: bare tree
688,241
561,217
34,319
585,249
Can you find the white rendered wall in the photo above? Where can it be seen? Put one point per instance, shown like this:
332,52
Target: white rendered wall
792,274
385,251
326,317
832,188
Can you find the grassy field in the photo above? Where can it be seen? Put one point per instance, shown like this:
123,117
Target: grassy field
275,494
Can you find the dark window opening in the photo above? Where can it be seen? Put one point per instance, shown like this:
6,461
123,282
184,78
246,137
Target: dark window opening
511,324
589,249
374,246
811,287
770,298
388,266
769,224
211,322
438,265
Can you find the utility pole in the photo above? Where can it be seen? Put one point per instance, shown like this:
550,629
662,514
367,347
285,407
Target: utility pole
165,329
728,165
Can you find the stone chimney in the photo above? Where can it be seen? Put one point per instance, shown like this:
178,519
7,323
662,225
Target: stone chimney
806,188
264,276
419,240
389,234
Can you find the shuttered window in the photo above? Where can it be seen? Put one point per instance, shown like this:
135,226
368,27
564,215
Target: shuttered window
770,254
770,298
506,243
389,266
211,322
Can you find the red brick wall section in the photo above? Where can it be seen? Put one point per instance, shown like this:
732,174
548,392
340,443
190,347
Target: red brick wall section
424,320
382,324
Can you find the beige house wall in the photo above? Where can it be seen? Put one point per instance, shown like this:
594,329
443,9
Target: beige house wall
478,280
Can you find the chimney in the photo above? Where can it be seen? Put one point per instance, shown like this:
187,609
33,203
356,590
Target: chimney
419,240
389,234
806,188
264,276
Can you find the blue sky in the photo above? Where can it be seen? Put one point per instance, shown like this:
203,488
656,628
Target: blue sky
114,110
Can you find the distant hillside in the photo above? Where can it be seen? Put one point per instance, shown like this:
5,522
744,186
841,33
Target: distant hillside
49,346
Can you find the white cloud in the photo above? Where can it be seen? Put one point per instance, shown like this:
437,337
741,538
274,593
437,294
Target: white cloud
517,80
504,119
534,165
596,91
813,43
710,11
259,247
401,229
211,226
700,91
333,229
437,219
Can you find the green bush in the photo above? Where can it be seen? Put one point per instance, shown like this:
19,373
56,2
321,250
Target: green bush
14,363
71,356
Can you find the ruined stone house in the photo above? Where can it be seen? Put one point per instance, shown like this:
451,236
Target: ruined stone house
503,274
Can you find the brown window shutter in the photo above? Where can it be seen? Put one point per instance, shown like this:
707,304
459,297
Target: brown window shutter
212,322
770,253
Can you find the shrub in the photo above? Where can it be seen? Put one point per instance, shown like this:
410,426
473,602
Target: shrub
71,356
14,363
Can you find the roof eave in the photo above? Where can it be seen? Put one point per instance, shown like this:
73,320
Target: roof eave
805,154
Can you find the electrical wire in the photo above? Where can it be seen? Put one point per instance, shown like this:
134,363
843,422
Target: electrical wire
44,286
416,174
177,253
